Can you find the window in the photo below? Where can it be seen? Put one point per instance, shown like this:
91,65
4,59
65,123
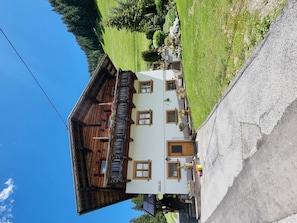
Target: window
145,86
174,170
142,170
170,85
144,117
176,148
103,167
171,116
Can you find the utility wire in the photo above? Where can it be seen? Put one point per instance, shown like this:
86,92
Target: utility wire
35,79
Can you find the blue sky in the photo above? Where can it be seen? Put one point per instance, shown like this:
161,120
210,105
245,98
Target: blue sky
36,183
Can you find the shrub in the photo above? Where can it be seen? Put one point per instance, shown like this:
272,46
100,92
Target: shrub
169,19
150,56
159,6
155,21
149,32
167,41
158,20
159,37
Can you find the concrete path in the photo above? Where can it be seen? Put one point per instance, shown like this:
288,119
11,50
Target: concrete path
244,141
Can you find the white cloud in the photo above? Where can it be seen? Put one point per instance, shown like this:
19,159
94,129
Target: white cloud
6,192
6,202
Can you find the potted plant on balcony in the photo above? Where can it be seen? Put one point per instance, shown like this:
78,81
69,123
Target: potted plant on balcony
187,166
181,126
181,93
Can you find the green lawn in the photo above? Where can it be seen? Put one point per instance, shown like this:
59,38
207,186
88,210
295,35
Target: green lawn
217,37
171,217
124,48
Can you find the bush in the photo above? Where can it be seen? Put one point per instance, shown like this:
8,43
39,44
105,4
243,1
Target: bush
160,6
169,19
155,21
167,41
149,32
159,37
150,56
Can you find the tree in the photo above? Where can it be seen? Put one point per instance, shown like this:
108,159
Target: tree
131,15
81,18
150,56
145,218
138,201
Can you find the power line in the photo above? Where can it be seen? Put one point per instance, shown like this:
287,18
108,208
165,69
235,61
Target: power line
35,79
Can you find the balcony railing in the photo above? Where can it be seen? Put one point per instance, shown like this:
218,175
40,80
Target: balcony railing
120,129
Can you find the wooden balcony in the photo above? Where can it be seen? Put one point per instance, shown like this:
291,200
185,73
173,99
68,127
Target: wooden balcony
119,139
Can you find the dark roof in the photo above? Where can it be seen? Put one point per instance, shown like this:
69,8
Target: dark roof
85,121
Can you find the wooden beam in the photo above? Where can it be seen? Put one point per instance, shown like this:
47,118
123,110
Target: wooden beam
92,99
127,158
84,149
77,121
93,125
132,105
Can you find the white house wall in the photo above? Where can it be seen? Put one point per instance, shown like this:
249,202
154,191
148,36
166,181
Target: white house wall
150,141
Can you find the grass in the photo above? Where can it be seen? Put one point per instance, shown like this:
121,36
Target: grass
171,217
124,48
217,38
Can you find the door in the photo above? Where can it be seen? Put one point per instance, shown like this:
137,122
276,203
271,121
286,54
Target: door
180,148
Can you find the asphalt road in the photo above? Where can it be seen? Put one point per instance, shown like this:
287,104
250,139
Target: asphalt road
266,188
247,146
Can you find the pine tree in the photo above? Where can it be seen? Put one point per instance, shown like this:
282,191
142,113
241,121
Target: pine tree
138,201
131,15
81,18
145,218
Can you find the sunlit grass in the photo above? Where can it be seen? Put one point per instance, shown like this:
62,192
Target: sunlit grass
171,217
124,48
217,38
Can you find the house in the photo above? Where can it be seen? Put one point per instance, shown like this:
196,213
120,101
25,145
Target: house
128,136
